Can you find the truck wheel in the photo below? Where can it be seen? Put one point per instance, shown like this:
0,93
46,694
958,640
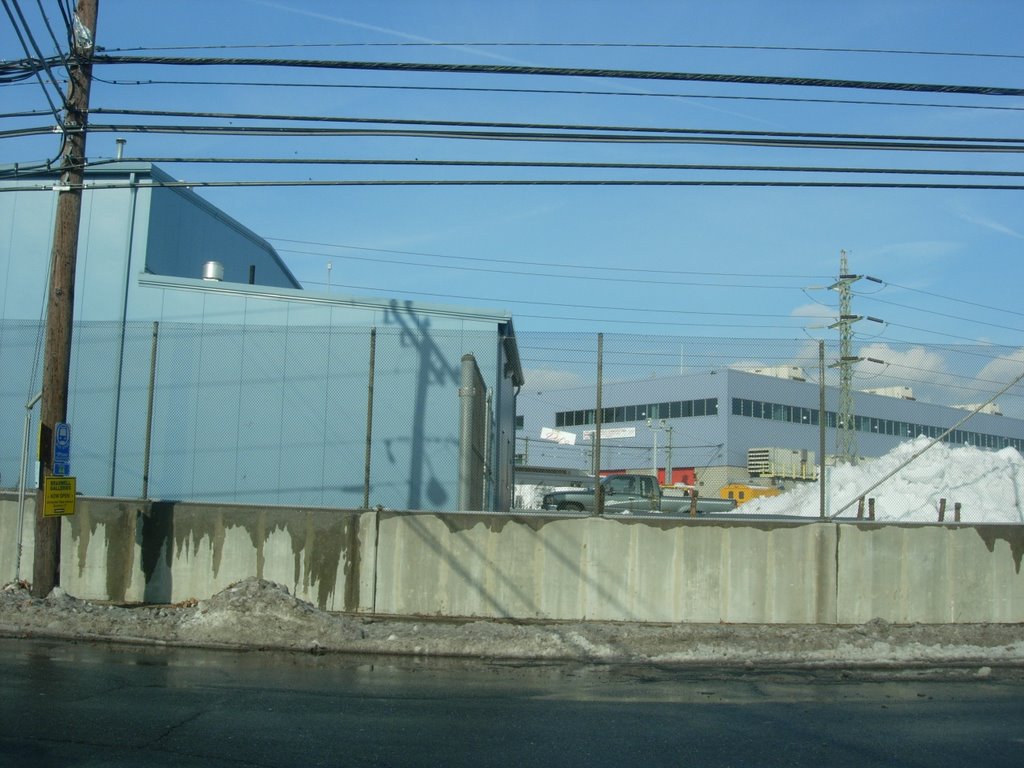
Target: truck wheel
571,506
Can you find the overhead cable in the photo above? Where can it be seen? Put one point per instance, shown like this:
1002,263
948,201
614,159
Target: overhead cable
561,92
553,126
527,44
505,69
39,187
43,65
715,138
166,160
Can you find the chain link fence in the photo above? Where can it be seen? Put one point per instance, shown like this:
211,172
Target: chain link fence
346,417
353,417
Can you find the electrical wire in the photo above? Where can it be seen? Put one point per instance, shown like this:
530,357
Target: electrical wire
53,37
536,303
560,92
556,127
562,165
520,262
982,145
709,183
505,69
953,298
616,279
523,44
25,45
944,315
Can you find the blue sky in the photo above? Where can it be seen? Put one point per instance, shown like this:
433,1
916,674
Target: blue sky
656,260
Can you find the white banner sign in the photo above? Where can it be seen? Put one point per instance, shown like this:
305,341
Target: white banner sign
557,436
611,433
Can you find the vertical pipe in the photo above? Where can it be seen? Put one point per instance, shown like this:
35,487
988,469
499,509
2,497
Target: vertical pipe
22,480
598,489
369,419
488,453
149,411
128,275
821,429
467,430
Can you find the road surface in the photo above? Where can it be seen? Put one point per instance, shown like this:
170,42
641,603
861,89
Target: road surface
109,705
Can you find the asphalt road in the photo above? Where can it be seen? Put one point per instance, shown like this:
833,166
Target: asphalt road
86,705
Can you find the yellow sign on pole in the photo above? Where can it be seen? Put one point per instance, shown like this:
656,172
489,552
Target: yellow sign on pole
58,496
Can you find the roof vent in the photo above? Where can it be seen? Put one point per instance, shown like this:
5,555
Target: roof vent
213,270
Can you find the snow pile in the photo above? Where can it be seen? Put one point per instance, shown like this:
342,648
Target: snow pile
257,612
989,486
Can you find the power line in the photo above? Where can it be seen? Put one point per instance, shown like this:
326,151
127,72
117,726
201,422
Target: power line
571,306
943,315
53,37
521,262
26,39
558,127
960,145
382,162
711,183
953,298
560,92
505,69
525,44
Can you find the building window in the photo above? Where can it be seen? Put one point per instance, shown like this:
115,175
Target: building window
677,409
869,424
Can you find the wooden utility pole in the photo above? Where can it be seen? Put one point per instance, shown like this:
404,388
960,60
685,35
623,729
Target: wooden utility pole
60,303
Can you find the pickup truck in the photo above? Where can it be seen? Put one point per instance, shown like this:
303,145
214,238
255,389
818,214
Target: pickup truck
637,494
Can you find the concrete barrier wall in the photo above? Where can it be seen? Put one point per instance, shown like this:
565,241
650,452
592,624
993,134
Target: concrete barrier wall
133,551
536,567
9,538
608,569
930,574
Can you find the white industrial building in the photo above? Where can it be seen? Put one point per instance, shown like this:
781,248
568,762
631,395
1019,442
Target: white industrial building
758,426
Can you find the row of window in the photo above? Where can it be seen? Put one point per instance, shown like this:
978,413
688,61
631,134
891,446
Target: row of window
677,409
795,414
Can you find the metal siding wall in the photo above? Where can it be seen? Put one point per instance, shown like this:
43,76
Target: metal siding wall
185,234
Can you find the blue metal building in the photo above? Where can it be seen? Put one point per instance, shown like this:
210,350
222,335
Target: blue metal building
243,388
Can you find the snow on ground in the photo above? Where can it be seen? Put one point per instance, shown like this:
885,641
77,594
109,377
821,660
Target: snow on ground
261,615
989,486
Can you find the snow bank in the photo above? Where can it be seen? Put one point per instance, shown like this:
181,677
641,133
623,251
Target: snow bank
257,614
989,486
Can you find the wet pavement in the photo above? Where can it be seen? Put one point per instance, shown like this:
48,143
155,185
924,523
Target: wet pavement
119,705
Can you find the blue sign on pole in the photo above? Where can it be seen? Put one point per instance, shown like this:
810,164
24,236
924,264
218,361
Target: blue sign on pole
62,449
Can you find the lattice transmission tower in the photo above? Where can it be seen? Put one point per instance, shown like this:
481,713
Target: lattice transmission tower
846,426
846,435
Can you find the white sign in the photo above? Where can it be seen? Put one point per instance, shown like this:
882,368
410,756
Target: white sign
613,432
557,436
